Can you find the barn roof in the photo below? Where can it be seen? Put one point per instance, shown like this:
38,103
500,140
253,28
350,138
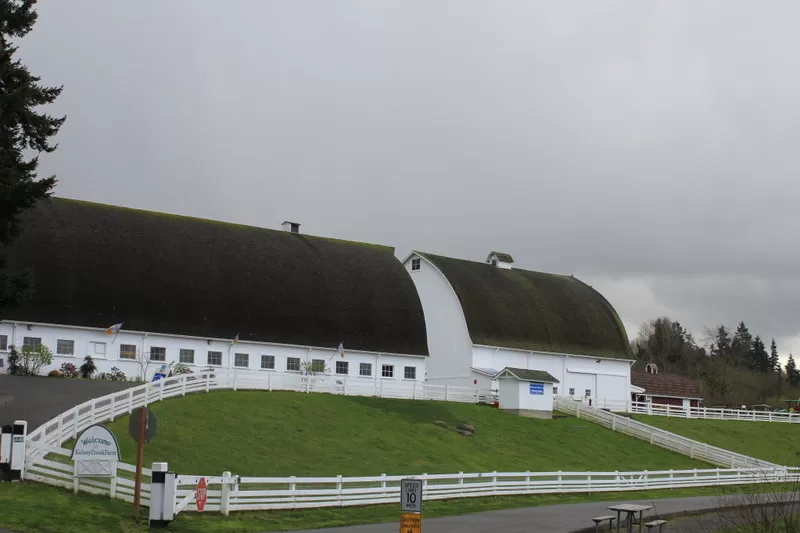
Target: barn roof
533,310
661,384
96,265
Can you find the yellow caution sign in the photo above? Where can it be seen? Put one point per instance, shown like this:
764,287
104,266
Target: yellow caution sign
410,523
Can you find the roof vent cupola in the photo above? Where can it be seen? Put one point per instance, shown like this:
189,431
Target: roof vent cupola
291,227
500,260
651,368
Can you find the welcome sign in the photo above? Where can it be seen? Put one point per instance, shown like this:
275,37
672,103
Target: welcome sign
96,452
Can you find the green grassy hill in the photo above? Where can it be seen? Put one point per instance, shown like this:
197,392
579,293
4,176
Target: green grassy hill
284,433
776,442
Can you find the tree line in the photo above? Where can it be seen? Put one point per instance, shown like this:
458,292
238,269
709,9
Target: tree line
728,367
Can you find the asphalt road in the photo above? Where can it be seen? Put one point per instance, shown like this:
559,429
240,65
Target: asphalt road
567,518
39,399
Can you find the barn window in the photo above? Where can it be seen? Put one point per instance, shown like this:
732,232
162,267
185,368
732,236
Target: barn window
410,372
387,371
241,360
268,362
588,392
158,353
293,364
127,351
33,343
342,367
3,343
365,369
555,390
318,365
215,358
98,348
65,347
572,391
186,356
415,264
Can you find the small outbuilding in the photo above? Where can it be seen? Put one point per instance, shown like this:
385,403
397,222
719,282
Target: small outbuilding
526,392
651,386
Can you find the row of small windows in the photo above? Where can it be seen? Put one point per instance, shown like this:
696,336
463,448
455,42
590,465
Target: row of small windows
587,392
214,358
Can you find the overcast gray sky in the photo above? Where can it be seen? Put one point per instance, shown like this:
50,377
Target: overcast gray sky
649,148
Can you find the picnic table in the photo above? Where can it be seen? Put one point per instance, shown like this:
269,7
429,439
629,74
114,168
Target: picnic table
631,509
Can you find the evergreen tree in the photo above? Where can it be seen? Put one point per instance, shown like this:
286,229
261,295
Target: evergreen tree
792,374
21,129
721,344
760,358
742,347
774,360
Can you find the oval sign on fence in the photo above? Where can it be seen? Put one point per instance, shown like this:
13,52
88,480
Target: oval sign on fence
201,494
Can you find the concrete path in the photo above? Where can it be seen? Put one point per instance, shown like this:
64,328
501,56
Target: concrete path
39,399
565,518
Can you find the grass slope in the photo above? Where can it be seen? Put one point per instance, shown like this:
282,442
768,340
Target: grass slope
33,508
284,433
776,442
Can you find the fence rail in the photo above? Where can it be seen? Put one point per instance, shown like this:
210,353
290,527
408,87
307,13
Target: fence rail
659,437
233,493
711,413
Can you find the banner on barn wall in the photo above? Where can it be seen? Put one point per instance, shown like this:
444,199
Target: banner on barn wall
536,388
96,452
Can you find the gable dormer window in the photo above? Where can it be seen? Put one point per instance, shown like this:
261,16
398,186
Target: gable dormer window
415,264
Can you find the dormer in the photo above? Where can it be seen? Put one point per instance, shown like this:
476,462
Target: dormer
291,227
651,368
500,260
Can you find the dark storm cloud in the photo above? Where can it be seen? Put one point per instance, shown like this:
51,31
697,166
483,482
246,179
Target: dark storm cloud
650,145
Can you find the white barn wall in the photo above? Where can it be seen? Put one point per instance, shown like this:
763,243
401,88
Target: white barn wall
84,337
449,343
607,379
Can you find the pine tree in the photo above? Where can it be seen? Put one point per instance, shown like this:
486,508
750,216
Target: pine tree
742,347
792,374
774,360
760,357
21,129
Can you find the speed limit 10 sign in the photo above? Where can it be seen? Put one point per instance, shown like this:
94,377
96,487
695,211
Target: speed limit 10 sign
411,496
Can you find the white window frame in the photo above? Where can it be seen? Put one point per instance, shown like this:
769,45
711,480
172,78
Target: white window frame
30,344
555,390
98,349
290,360
127,358
236,357
150,355
268,367
572,391
3,343
361,367
390,369
208,358
184,352
65,354
587,393
405,372
416,264
346,368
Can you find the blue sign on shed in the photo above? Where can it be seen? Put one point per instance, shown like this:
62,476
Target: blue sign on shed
536,388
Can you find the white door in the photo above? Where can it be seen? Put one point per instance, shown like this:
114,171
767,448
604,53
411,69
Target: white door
611,392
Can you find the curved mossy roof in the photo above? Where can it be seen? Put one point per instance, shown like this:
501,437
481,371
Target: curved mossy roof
533,310
95,265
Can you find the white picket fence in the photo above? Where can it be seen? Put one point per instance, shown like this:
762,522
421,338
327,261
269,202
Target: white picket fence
228,493
712,414
659,437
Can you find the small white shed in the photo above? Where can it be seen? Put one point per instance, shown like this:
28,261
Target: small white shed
526,392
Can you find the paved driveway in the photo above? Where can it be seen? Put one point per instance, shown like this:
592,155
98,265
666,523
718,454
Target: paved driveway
565,518
39,399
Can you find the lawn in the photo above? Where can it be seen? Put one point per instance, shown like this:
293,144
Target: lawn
34,508
256,433
777,442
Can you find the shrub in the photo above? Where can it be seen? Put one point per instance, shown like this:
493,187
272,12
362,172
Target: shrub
115,375
13,361
69,370
88,367
30,362
176,369
55,374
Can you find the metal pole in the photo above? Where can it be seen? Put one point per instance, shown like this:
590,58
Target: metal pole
137,491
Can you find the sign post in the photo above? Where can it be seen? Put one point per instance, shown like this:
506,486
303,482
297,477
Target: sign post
142,428
410,506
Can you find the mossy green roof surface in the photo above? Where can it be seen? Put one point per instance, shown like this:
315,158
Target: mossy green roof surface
523,374
530,310
96,265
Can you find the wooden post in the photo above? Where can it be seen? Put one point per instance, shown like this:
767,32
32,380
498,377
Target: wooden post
137,490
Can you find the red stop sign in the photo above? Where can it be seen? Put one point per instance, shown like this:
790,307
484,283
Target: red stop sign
201,494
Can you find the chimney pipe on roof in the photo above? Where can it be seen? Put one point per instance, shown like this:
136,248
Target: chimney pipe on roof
291,227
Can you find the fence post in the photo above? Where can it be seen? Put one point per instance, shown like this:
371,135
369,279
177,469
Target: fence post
614,424
13,444
339,488
293,488
208,381
162,495
578,410
183,386
424,485
383,481
446,392
645,479
671,478
234,379
75,414
111,417
60,428
560,486
225,496
494,481
691,451
269,381
130,401
461,481
161,385
414,391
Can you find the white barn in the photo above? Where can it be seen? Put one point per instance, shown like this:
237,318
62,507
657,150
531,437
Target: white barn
184,288
482,317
